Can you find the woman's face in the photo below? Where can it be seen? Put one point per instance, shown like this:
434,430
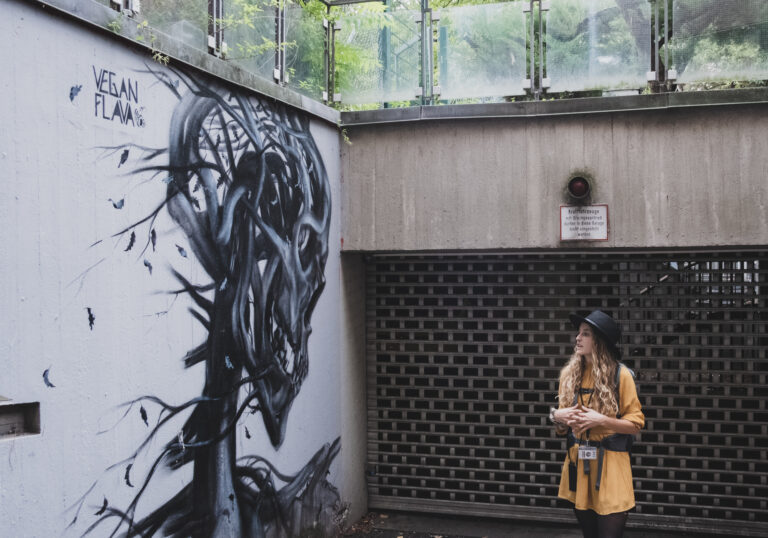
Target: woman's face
585,340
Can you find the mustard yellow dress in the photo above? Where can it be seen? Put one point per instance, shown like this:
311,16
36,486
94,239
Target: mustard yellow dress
616,492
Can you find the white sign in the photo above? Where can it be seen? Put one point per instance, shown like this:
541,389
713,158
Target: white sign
584,223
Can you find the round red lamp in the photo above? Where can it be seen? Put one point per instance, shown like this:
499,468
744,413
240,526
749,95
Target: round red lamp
578,187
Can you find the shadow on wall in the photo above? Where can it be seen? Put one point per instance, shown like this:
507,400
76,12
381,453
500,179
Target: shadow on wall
247,186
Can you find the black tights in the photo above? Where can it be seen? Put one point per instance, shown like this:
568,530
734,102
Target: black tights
593,525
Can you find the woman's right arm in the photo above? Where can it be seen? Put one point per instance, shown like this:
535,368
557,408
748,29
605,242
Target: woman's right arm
561,417
565,414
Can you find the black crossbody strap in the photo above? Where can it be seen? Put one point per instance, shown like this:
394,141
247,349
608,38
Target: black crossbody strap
618,389
601,455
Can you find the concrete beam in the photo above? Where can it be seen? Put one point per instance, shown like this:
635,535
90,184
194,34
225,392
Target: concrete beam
688,175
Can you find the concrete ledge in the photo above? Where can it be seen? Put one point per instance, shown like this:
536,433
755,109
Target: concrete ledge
559,107
429,525
383,115
98,16
657,526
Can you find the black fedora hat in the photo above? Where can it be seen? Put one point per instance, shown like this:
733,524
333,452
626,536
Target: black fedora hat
604,325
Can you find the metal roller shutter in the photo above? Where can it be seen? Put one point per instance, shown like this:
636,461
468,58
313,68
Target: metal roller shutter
464,353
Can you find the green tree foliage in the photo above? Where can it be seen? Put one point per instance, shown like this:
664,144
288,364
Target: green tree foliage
249,31
598,44
720,40
186,20
378,52
305,45
482,47
162,13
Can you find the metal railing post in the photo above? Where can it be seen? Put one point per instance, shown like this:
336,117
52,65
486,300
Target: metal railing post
529,82
426,93
535,82
653,74
671,73
328,89
279,71
335,27
434,90
532,44
215,31
544,81
425,24
385,57
331,27
326,56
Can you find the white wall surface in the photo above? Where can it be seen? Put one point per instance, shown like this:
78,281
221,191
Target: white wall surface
59,256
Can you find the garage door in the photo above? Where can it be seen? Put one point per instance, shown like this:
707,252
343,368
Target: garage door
463,357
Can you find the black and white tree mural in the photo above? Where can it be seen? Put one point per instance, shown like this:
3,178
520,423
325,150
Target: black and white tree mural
248,187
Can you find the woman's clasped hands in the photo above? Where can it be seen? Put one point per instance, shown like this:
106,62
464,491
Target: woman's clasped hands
579,418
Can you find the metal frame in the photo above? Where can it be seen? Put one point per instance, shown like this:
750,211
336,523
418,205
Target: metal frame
463,354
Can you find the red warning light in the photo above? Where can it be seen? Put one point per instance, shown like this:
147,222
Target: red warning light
578,188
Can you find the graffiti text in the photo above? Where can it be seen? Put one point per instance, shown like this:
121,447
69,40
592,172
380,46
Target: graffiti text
115,98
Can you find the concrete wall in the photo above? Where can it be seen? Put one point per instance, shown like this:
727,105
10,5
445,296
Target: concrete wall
675,177
354,425
85,278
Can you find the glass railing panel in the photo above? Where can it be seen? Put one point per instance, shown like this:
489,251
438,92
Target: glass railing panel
719,40
378,57
598,44
184,20
304,48
249,32
481,51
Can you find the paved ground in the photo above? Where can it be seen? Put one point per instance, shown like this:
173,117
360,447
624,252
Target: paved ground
394,525
399,525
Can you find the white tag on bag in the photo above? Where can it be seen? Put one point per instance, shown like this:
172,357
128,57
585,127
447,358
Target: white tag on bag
587,452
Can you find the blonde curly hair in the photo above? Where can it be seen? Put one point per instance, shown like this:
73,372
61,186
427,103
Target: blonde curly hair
603,372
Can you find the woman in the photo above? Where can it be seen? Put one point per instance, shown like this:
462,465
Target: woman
600,417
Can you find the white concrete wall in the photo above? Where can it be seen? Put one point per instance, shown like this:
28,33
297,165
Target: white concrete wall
58,257
354,424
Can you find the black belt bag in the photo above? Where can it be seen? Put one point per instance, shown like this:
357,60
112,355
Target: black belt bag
618,442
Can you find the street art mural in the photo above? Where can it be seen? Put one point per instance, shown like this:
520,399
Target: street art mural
246,185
